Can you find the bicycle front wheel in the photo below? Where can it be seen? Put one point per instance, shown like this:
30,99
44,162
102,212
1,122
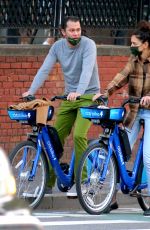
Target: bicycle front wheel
94,194
21,159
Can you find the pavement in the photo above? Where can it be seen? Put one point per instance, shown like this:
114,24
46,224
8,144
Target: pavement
59,201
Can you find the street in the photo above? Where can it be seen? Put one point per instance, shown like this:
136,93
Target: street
122,218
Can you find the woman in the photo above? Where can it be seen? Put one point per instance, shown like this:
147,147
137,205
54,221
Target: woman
136,74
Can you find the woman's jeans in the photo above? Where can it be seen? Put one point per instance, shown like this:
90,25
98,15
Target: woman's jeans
133,134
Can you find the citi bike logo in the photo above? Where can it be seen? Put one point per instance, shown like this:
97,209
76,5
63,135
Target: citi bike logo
94,114
21,115
51,150
120,154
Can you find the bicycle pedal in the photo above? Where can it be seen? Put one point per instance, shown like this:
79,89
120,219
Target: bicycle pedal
134,194
144,195
138,194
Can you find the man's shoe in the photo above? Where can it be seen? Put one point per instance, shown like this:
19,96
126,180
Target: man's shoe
72,193
114,206
48,190
147,212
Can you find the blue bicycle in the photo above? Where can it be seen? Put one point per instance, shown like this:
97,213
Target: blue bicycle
30,159
103,164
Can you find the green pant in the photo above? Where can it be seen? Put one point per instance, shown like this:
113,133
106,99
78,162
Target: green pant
69,116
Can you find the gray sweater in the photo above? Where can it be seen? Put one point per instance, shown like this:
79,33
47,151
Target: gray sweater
78,64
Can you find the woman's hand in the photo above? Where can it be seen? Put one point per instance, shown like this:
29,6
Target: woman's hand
145,101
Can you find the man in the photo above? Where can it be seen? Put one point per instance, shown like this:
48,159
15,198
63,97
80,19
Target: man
77,56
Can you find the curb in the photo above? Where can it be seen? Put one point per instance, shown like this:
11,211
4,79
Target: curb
59,201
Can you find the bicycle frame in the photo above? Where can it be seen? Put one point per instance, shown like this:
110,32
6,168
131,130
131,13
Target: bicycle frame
43,137
114,146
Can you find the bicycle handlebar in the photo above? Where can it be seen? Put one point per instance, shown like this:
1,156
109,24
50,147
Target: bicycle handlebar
132,100
62,97
28,98
100,99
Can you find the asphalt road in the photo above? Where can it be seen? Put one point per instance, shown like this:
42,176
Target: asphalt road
122,218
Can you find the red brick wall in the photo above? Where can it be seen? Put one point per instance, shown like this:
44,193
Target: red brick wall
16,75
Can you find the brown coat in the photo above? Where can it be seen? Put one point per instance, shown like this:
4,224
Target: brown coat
137,75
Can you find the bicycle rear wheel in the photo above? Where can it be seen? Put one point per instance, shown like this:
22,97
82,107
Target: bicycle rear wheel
94,194
22,158
144,201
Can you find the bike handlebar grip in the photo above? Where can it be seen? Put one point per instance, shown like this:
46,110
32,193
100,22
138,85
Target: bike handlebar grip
53,98
29,98
102,99
63,97
134,100
78,98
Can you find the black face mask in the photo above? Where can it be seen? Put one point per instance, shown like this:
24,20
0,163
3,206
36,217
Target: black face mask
135,50
73,41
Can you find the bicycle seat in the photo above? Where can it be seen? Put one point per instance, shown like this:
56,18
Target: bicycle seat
93,112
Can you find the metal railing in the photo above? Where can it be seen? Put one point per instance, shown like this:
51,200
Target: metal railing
101,19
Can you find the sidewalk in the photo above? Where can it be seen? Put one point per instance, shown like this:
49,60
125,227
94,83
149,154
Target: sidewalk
59,201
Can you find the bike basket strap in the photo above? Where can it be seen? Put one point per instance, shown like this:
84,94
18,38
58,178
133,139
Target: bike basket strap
116,114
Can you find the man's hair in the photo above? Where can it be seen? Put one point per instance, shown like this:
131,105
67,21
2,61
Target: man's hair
69,18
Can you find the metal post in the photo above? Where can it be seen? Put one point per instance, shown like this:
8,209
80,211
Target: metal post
57,18
140,10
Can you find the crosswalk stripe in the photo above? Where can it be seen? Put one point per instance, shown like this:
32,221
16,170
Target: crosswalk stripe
93,222
85,215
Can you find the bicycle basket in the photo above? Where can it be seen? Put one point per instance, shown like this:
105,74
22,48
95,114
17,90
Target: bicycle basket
28,116
115,114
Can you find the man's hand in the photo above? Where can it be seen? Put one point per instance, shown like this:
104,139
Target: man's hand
73,96
145,101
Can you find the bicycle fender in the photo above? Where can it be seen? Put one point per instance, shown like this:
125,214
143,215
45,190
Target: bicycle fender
101,138
32,137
